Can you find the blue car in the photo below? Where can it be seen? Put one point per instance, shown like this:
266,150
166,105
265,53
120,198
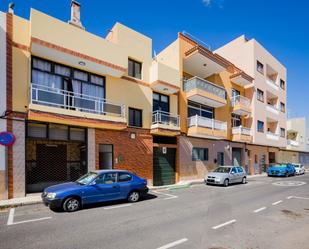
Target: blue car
96,186
283,169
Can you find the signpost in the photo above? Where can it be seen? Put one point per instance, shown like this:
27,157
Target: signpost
7,138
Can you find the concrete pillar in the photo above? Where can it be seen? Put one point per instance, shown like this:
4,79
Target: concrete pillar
91,149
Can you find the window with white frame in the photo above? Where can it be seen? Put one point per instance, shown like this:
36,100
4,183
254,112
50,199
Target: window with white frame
200,110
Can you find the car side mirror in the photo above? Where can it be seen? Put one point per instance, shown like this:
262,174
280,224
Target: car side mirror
92,183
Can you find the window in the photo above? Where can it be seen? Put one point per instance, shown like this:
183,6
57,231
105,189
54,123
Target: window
106,156
260,126
282,132
282,84
282,107
260,67
236,120
109,178
240,170
235,96
234,170
200,154
135,69
160,102
260,95
37,130
200,110
135,117
124,177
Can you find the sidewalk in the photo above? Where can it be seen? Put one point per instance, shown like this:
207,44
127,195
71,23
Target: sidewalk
36,198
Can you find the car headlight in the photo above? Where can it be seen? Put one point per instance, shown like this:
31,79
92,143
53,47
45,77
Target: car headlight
51,196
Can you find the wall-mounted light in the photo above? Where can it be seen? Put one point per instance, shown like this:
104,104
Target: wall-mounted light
132,135
82,63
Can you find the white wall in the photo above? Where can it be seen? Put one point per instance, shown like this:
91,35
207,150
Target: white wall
2,90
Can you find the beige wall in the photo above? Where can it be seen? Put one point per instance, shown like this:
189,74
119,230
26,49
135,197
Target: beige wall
244,54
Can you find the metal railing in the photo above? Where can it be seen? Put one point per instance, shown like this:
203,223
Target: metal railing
165,118
292,142
204,85
213,124
241,130
55,97
272,135
240,100
272,83
272,107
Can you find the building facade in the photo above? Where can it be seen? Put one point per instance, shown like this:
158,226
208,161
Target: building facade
78,102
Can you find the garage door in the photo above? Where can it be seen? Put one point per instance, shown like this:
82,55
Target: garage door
163,166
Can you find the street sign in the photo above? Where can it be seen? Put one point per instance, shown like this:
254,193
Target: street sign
7,138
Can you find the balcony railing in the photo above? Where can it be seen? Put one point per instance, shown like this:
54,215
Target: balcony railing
272,135
204,85
165,118
272,108
55,97
292,142
272,84
236,100
213,124
239,130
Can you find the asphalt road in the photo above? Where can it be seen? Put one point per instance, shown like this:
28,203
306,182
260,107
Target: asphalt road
264,213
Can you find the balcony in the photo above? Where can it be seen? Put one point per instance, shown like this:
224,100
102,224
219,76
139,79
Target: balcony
164,78
241,79
207,128
241,134
58,101
272,84
272,136
273,109
293,143
164,123
241,105
205,92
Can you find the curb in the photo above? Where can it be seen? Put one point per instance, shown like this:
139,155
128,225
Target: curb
18,204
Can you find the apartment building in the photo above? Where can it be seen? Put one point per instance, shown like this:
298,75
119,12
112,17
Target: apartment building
78,102
268,95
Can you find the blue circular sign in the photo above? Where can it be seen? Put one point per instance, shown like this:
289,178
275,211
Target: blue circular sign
7,138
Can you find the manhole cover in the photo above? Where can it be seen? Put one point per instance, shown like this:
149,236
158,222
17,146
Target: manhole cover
289,183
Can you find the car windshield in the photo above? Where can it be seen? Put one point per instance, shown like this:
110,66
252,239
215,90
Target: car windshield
280,166
222,170
86,179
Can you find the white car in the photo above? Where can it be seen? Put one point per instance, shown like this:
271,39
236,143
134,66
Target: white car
299,168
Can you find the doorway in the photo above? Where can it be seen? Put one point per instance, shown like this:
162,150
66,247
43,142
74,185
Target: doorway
236,156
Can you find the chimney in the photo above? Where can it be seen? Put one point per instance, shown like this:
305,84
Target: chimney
11,8
75,15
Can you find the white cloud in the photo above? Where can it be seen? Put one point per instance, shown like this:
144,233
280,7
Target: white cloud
218,3
206,2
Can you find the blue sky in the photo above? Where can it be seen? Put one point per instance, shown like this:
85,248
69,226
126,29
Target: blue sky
281,26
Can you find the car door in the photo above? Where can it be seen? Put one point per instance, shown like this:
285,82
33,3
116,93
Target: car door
104,188
125,183
240,174
233,175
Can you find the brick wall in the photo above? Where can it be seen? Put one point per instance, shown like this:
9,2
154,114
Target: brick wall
136,153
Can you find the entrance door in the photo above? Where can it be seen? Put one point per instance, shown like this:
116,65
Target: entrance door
236,156
163,166
220,158
51,166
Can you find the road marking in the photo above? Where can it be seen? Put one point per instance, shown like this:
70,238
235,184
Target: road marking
224,224
11,219
302,198
276,203
259,210
289,197
173,244
118,206
169,196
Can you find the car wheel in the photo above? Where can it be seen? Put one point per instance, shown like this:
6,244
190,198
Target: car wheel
244,180
133,196
226,183
71,204
286,174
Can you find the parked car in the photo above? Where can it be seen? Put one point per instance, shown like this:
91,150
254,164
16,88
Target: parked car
283,169
96,186
299,169
224,175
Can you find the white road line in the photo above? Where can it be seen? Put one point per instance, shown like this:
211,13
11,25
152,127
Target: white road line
26,221
302,198
259,210
11,217
224,224
173,244
289,197
276,203
118,206
169,196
